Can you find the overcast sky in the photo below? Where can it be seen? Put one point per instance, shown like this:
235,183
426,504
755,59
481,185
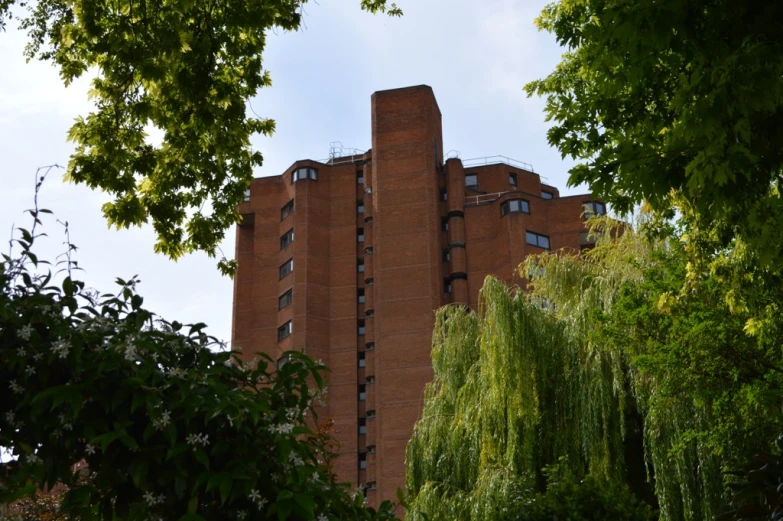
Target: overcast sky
476,55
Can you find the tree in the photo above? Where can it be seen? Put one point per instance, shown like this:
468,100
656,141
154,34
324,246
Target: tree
607,362
675,98
186,68
162,423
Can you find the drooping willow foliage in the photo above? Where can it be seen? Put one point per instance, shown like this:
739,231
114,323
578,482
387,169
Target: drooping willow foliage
576,370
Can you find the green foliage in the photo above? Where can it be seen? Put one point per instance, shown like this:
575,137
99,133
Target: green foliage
680,97
184,68
143,419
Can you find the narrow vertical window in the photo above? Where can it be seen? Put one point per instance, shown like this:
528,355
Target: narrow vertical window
360,295
284,331
512,179
285,299
360,328
287,210
361,360
471,180
359,177
287,239
286,268
360,234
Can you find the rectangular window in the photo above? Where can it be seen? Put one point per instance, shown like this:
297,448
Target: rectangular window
284,331
285,299
360,328
594,208
360,295
446,286
360,266
359,177
287,239
247,195
536,239
362,393
444,224
362,360
304,173
360,207
360,234
362,425
362,461
512,179
287,210
446,255
286,268
444,196
514,206
471,180
547,195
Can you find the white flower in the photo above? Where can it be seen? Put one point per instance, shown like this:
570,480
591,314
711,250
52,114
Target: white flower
262,503
89,450
61,348
163,420
130,352
21,352
149,497
15,387
25,332
33,459
322,517
295,459
10,417
37,357
254,496
241,515
30,370
67,427
198,439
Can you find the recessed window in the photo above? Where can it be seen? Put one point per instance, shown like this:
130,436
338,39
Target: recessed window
362,360
304,173
547,195
369,313
360,266
360,295
287,210
594,208
369,346
371,413
512,179
362,393
368,250
284,331
370,379
360,328
286,269
285,299
283,360
359,177
446,255
360,207
247,195
514,206
287,239
362,425
360,234
446,286
362,461
471,180
369,282
370,449
536,239
444,224
444,196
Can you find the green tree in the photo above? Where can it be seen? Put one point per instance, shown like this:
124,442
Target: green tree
679,98
187,68
141,418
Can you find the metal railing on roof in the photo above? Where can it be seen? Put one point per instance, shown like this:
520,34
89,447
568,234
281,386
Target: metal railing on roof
491,160
475,200
338,154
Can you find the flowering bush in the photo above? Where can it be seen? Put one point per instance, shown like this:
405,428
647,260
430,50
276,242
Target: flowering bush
143,419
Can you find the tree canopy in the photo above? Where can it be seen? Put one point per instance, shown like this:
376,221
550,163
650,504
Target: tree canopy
676,97
186,68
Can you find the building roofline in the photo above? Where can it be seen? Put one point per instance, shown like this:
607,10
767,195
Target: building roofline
421,87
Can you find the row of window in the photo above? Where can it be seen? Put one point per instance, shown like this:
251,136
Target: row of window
311,173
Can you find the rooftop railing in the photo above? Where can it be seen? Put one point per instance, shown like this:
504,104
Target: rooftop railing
492,160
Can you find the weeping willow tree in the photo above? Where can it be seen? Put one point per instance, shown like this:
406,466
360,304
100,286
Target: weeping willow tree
607,364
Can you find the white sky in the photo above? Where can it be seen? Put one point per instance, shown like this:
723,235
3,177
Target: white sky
475,55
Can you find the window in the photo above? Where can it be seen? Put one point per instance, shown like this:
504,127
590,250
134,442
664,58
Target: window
360,234
594,208
369,346
359,177
547,195
287,239
536,239
362,461
514,206
444,224
286,268
369,313
247,195
362,361
285,299
362,425
370,379
444,196
360,207
369,281
446,255
360,295
370,449
283,360
471,180
360,266
446,286
368,250
360,329
304,173
287,210
284,331
512,179
371,413
362,393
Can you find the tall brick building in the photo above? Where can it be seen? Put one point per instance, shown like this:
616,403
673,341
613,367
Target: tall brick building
349,258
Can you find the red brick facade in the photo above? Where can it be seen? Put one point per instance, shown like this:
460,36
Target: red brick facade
400,227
